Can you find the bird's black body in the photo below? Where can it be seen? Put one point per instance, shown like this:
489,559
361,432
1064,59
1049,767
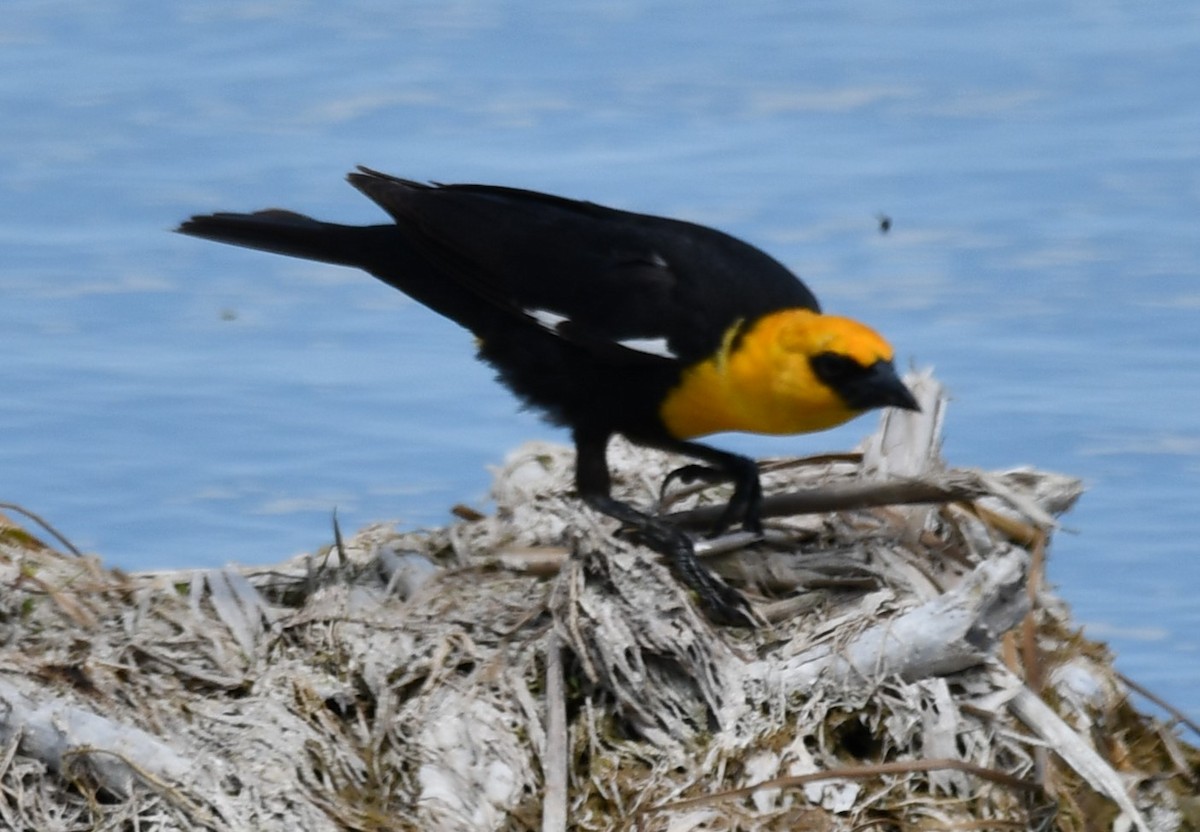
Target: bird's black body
588,313
485,257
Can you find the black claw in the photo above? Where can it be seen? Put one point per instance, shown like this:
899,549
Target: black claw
742,506
696,473
721,603
688,474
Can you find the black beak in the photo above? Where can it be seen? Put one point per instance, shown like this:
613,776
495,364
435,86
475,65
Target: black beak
901,396
880,386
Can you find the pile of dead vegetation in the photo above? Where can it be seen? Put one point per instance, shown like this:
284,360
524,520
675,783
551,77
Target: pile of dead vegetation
528,670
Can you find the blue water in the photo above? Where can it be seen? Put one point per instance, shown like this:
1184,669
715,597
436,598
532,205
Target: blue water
172,402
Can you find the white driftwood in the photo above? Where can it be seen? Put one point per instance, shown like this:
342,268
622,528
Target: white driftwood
954,631
63,735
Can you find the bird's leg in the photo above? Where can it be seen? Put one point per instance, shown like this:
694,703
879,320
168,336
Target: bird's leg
721,603
746,502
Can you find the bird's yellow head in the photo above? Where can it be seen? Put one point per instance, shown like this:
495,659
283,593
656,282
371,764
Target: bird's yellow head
793,371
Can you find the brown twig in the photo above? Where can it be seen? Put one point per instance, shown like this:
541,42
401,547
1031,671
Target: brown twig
1160,702
767,466
35,518
842,497
855,773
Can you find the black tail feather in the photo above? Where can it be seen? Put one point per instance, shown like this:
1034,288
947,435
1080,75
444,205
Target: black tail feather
284,232
380,250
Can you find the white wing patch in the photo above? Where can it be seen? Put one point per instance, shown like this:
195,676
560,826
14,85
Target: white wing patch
650,346
552,321
547,319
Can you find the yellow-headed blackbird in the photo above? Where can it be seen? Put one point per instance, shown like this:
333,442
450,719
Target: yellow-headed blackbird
611,322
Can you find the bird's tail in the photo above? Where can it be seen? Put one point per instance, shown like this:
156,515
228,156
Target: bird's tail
380,250
286,232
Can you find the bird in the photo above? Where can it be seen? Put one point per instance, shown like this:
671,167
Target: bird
611,322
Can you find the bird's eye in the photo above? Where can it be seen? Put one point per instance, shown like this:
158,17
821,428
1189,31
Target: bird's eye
834,369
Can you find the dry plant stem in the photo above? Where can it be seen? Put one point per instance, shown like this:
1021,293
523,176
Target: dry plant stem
45,525
338,543
1035,672
1077,752
842,498
1021,533
555,759
854,773
1160,702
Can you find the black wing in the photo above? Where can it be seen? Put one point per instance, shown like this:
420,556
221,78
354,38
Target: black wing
604,278
627,286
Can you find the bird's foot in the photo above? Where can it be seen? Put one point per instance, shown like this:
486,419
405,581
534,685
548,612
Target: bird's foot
721,603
